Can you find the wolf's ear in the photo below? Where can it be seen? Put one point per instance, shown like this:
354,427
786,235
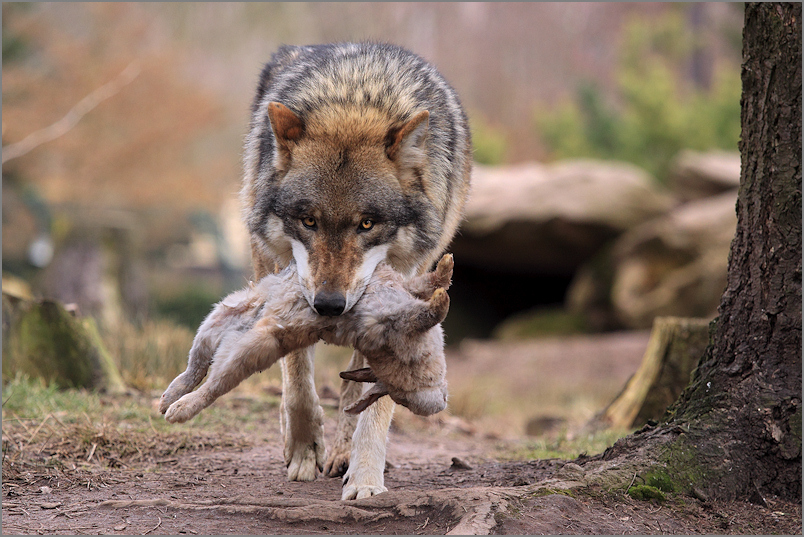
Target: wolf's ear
288,128
405,144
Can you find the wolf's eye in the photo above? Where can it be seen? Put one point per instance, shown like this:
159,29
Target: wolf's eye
366,224
309,222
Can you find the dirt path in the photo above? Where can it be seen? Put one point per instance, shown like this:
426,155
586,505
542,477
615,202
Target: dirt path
231,479
242,489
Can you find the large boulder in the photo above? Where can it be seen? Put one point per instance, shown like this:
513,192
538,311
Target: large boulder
674,265
694,175
550,218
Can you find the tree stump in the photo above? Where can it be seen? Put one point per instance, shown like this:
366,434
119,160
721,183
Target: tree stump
675,346
42,339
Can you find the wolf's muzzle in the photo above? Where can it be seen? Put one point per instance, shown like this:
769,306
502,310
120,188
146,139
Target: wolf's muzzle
329,303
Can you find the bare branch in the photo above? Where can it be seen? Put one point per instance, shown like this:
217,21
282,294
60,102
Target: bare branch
62,126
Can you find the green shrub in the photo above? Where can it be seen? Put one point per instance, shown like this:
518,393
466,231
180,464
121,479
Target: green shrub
655,111
189,306
490,143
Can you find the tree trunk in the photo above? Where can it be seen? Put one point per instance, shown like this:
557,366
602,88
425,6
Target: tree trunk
735,432
675,345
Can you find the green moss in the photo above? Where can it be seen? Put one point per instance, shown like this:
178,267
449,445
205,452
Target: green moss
682,467
50,343
658,478
646,493
551,491
541,322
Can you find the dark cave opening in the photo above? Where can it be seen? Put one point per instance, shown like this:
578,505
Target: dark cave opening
480,299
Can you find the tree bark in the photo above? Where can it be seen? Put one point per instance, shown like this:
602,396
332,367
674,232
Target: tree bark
735,432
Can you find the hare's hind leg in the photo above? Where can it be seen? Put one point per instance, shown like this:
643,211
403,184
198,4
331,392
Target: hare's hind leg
235,361
204,345
424,314
425,285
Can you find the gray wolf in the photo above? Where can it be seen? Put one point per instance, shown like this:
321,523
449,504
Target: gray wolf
356,154
394,324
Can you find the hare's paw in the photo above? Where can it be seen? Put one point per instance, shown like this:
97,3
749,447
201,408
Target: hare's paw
442,275
178,388
184,409
439,303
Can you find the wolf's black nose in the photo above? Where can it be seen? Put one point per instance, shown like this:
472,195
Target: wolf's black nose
329,303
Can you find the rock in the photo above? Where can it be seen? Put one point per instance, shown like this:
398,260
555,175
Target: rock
42,339
695,175
674,265
551,218
543,425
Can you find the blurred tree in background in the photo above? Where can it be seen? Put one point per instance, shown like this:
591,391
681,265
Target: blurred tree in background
665,100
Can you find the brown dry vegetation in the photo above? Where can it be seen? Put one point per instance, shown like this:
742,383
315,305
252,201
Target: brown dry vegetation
143,147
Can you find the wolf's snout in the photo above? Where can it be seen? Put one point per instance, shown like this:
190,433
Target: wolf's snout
329,303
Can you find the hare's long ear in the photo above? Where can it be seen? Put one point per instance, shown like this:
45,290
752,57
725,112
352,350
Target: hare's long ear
367,399
359,375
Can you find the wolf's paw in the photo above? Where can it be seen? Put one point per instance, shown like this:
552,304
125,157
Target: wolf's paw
305,450
304,460
361,484
338,459
183,409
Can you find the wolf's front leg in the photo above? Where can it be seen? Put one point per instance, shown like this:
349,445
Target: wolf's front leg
302,417
339,452
364,477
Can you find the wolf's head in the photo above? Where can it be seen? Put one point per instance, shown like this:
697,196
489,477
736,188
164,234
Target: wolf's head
350,191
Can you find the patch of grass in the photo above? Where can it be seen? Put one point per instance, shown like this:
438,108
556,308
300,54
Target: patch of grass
45,427
35,399
149,356
568,447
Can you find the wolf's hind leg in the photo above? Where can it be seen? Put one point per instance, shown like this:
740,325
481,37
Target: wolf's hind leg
341,448
425,285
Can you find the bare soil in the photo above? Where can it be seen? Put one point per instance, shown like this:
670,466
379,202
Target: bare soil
444,475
